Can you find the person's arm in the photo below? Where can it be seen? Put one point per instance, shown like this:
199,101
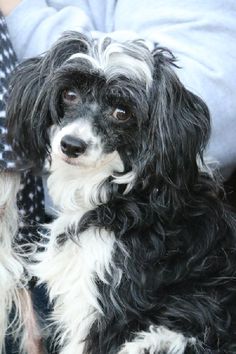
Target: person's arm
34,25
201,34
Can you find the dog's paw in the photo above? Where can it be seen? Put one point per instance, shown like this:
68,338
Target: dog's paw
158,340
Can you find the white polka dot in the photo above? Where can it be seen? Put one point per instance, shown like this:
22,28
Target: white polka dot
11,164
31,196
5,52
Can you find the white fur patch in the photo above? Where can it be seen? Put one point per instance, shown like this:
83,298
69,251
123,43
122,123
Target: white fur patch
72,187
12,276
157,339
130,59
11,269
70,272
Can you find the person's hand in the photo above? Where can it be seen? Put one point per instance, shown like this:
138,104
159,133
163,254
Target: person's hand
6,6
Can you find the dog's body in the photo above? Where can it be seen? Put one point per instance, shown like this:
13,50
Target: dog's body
142,256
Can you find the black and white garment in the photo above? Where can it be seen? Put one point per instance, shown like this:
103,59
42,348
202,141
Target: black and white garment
30,197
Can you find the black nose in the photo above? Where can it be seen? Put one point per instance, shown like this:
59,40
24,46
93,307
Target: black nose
72,147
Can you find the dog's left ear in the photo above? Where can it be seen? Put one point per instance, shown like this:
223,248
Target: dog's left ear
180,125
31,110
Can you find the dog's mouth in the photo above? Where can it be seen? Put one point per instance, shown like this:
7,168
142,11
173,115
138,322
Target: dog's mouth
89,162
70,161
76,161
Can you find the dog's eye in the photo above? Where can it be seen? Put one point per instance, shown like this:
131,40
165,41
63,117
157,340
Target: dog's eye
70,96
121,114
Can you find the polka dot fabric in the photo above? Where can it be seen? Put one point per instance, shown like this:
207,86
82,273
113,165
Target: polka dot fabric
7,64
30,196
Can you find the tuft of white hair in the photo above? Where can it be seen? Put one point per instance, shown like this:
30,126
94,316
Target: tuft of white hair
157,340
131,59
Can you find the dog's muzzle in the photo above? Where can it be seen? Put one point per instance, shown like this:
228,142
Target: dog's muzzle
73,147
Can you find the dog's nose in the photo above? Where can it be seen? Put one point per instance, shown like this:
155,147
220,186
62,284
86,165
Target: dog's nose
72,147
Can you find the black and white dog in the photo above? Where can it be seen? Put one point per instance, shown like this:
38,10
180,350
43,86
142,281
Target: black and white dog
142,256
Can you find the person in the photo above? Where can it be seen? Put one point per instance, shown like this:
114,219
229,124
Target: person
201,34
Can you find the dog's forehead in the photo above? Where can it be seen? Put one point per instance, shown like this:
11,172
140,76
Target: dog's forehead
131,59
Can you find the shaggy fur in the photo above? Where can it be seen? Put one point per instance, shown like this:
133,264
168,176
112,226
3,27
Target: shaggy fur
17,318
142,256
11,269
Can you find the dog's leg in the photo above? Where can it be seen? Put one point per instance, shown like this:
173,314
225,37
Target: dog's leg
157,340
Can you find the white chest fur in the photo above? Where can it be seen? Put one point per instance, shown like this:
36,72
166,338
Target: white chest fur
70,272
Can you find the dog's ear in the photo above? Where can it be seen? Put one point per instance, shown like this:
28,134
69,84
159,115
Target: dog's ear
29,114
180,125
24,89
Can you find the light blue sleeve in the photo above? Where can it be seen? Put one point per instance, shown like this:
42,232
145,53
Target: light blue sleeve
100,12
34,25
202,35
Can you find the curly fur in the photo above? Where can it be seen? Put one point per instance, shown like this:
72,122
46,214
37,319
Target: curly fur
142,255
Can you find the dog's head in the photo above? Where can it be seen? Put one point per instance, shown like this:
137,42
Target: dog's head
90,103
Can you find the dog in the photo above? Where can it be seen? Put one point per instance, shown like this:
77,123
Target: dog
11,268
142,256
17,318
